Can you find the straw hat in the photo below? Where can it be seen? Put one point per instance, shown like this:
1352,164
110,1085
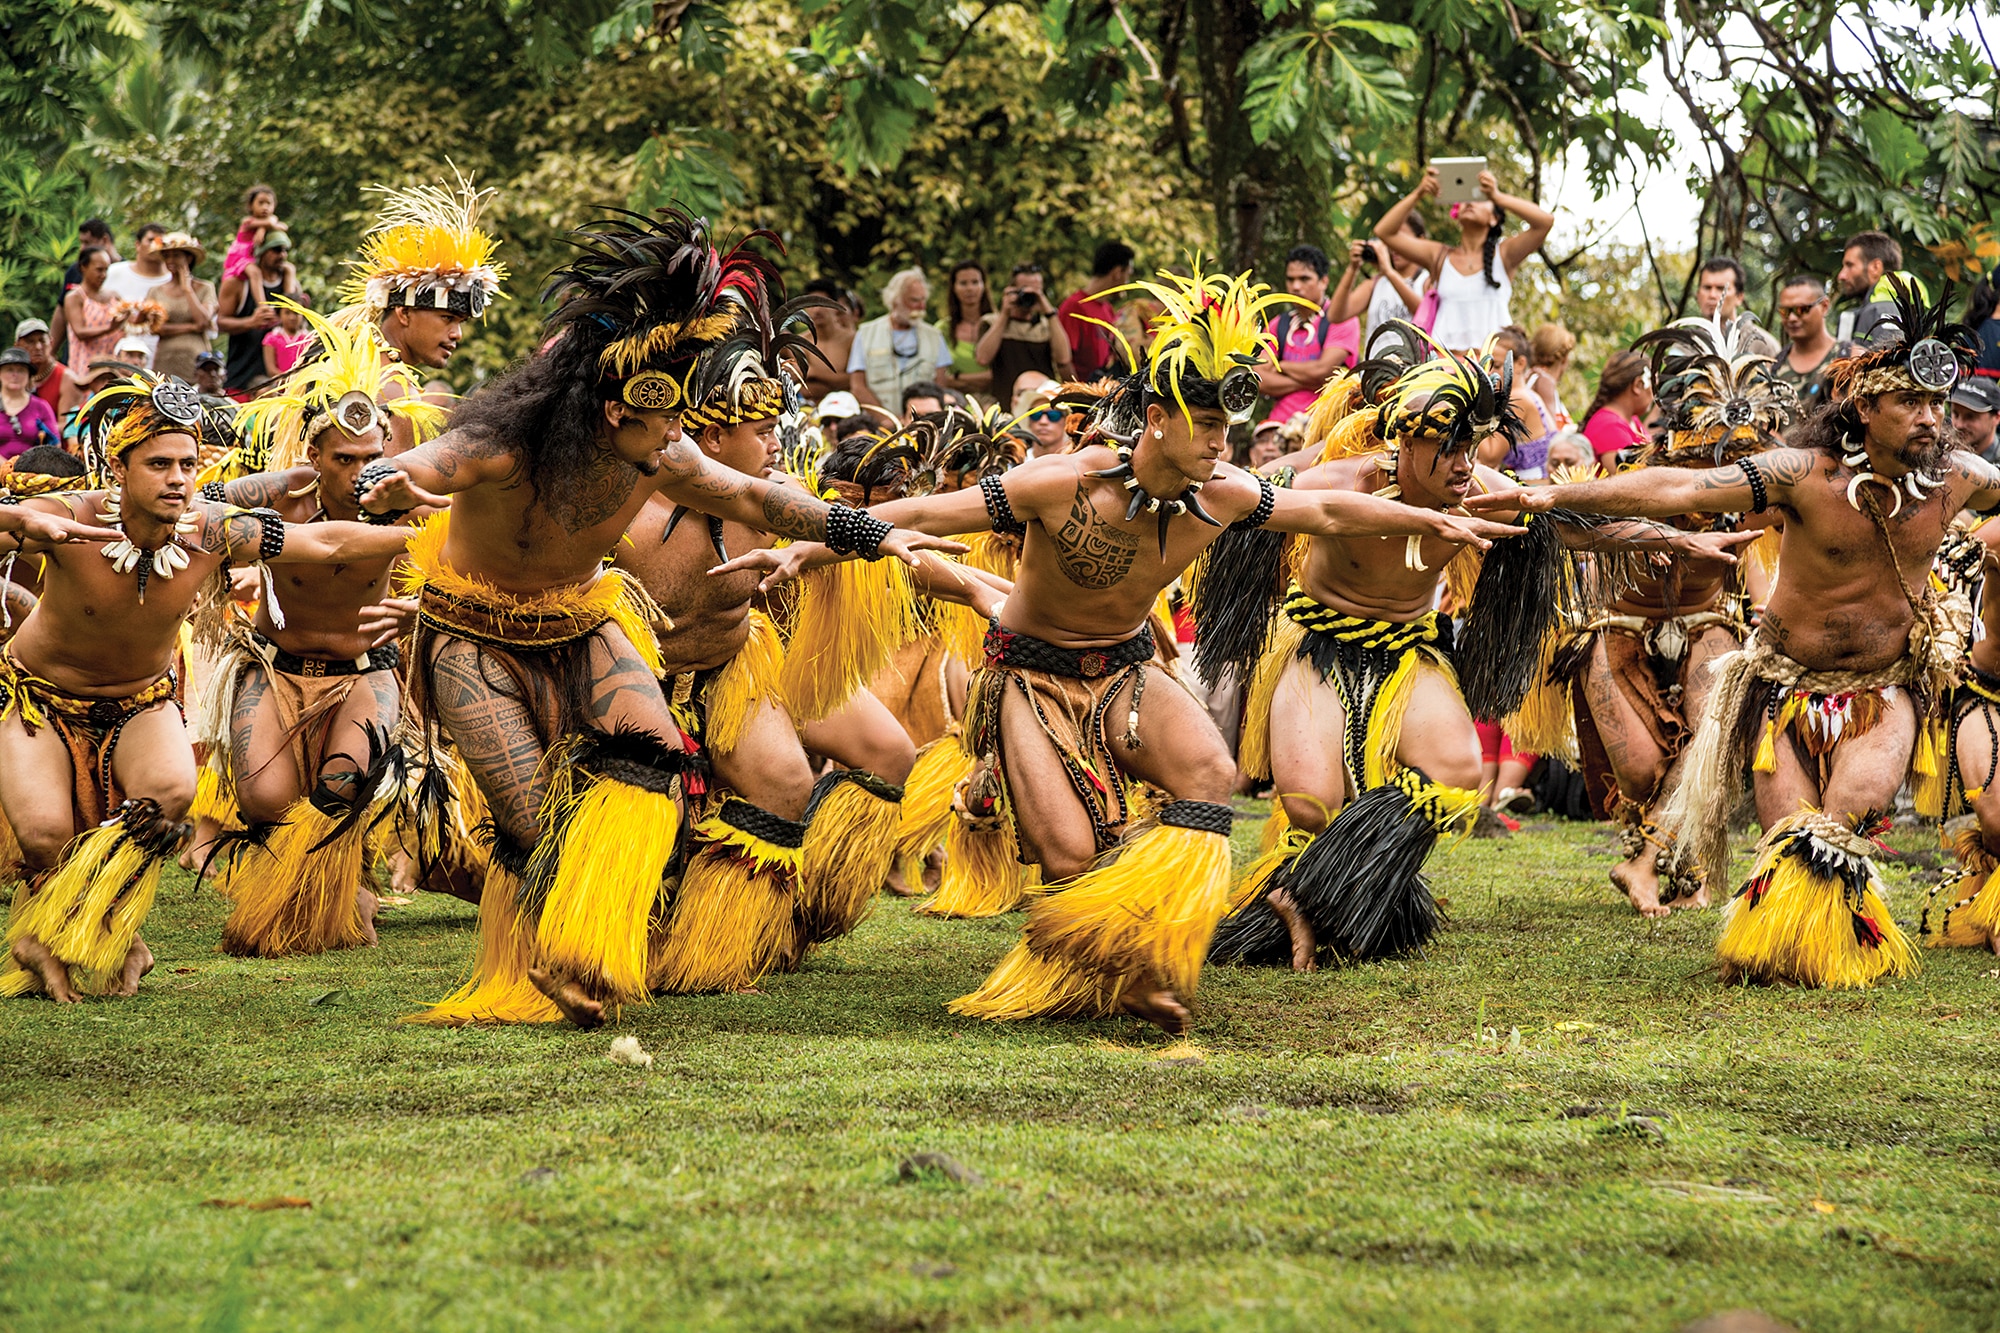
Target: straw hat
180,240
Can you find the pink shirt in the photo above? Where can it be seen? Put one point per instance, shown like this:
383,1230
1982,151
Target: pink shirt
1609,431
288,346
1307,340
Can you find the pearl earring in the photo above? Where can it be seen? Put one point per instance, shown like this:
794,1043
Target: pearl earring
1158,435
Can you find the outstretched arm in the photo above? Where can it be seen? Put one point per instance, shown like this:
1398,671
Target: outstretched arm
239,534
455,461
1357,514
1985,480
1664,492
34,526
1638,534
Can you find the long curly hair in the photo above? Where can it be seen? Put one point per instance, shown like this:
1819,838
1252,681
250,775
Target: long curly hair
546,409
1828,429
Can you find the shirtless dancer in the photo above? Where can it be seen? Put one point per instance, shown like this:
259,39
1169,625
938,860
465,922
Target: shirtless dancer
1355,710
1641,674
302,705
91,741
1840,692
543,667
1963,910
787,863
425,268
1071,706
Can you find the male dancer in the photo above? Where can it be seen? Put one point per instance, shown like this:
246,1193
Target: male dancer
1639,671
1355,708
424,269
300,708
1963,910
91,742
1071,710
1839,693
543,667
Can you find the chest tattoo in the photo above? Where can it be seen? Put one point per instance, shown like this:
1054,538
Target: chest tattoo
1092,553
591,495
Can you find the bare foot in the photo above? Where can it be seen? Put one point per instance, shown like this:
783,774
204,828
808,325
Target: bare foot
402,874
1992,942
1695,901
934,870
898,883
196,852
1158,1006
31,955
365,903
454,880
572,999
1639,880
138,962
1303,943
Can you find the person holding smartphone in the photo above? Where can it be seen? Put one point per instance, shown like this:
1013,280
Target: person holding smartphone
1474,278
1023,334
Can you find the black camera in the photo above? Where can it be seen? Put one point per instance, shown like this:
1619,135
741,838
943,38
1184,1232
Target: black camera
1027,302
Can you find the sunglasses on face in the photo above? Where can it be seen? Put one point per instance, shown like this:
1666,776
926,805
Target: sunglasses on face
1048,414
1805,309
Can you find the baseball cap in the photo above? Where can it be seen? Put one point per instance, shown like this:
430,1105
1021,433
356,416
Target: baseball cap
1981,393
1266,427
15,356
203,360
28,326
274,240
838,406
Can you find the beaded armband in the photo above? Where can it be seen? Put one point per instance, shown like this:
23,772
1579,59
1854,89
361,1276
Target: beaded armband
371,473
998,509
855,532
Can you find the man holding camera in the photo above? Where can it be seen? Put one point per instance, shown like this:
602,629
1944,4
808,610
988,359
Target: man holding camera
1023,334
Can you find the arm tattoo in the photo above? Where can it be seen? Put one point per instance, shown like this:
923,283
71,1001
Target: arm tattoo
1092,553
262,491
794,514
459,446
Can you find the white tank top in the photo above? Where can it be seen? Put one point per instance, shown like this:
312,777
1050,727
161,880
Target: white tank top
1469,311
1384,304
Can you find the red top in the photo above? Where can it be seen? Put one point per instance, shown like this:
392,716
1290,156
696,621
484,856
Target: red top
1610,431
50,390
1089,344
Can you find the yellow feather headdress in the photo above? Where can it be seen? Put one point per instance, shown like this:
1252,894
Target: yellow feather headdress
1208,338
138,408
341,385
426,251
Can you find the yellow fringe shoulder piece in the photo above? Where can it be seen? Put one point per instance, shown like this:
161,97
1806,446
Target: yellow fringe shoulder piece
1029,985
1351,437
851,618
295,895
927,798
498,990
604,853
1254,746
741,687
733,918
1149,911
1789,923
1963,912
850,846
88,913
1338,399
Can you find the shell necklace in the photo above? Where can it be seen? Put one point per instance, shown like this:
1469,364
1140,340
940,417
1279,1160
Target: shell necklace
1917,484
166,560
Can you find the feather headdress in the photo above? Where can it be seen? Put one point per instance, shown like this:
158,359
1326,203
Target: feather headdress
1724,402
973,444
1448,398
1208,339
426,251
768,334
138,408
1916,348
643,297
341,385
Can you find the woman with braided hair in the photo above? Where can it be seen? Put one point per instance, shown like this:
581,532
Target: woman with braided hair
1474,279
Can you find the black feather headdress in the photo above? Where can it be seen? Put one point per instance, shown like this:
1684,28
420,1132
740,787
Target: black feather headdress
1722,402
747,372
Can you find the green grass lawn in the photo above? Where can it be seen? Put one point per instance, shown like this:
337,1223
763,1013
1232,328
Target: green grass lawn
1432,1144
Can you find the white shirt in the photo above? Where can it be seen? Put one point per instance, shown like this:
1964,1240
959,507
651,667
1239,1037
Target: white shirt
124,282
1469,310
1384,305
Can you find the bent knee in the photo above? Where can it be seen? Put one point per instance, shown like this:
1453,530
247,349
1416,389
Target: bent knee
1211,777
1463,771
1308,813
42,847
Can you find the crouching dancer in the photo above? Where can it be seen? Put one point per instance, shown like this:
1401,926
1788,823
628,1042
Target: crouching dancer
542,665
96,771
1840,693
301,708
1071,712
